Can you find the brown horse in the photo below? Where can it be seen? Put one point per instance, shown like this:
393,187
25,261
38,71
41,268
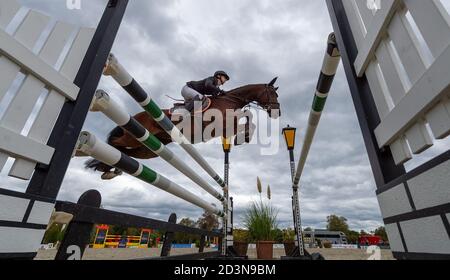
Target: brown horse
263,95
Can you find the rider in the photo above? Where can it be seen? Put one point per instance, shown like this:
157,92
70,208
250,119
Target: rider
197,90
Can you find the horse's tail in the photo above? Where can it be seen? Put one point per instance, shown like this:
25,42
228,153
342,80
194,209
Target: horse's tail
98,165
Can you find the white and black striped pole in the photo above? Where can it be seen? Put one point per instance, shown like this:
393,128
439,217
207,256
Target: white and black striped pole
114,69
116,113
329,68
89,145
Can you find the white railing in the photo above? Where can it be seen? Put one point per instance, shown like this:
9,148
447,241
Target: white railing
404,51
45,88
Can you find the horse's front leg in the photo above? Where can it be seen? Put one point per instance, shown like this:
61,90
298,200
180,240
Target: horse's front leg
244,132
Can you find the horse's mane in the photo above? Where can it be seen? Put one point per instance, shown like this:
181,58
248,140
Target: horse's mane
242,88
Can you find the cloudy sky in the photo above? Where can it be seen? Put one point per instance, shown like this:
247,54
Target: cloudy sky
165,43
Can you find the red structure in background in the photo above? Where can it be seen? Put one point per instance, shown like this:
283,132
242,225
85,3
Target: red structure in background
370,240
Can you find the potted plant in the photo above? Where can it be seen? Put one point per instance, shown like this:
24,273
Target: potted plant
261,222
289,241
327,245
241,240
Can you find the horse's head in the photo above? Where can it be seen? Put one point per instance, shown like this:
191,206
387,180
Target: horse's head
268,100
264,95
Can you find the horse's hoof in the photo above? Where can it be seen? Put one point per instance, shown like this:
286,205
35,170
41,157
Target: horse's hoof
109,175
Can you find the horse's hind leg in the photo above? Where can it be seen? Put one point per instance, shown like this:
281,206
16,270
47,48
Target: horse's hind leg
140,153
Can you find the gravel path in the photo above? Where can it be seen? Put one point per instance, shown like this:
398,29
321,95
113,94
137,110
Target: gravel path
127,254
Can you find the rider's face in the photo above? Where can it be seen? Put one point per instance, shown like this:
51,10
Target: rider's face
222,80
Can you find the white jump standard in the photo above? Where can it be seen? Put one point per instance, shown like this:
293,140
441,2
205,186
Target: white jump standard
111,109
89,145
117,71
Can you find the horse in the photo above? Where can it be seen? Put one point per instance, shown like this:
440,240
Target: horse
264,96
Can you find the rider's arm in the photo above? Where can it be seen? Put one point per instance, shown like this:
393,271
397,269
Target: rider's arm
209,84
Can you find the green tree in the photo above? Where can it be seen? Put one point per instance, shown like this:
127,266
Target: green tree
241,235
208,221
117,230
352,236
185,238
54,234
336,223
279,235
381,232
289,234
134,231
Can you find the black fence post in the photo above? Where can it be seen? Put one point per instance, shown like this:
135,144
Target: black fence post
201,248
78,234
168,238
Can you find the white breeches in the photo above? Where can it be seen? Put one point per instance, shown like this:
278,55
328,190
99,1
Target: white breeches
189,93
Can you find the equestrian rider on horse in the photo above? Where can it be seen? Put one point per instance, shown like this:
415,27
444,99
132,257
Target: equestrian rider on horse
198,90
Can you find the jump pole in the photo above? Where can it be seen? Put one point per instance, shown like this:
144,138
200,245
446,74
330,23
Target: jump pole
89,145
329,68
114,69
110,108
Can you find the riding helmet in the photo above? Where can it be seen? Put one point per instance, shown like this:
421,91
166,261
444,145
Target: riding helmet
222,73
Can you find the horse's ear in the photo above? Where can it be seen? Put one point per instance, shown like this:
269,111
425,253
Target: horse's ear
272,83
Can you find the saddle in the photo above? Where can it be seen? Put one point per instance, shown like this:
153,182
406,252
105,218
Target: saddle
180,108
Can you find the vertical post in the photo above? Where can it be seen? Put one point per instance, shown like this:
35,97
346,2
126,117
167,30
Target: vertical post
225,206
168,238
78,234
297,223
313,239
296,209
202,244
231,213
289,134
227,241
292,164
220,243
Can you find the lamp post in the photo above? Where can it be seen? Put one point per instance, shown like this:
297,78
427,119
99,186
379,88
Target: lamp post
289,136
227,241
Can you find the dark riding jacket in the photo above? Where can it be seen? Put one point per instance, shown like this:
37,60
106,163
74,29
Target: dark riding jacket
207,86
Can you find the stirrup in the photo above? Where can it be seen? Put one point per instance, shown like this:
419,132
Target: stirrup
205,105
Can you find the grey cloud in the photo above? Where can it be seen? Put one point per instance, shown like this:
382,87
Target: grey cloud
164,44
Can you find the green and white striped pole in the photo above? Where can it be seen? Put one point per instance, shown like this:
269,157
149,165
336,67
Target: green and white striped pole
89,145
115,112
114,69
329,68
